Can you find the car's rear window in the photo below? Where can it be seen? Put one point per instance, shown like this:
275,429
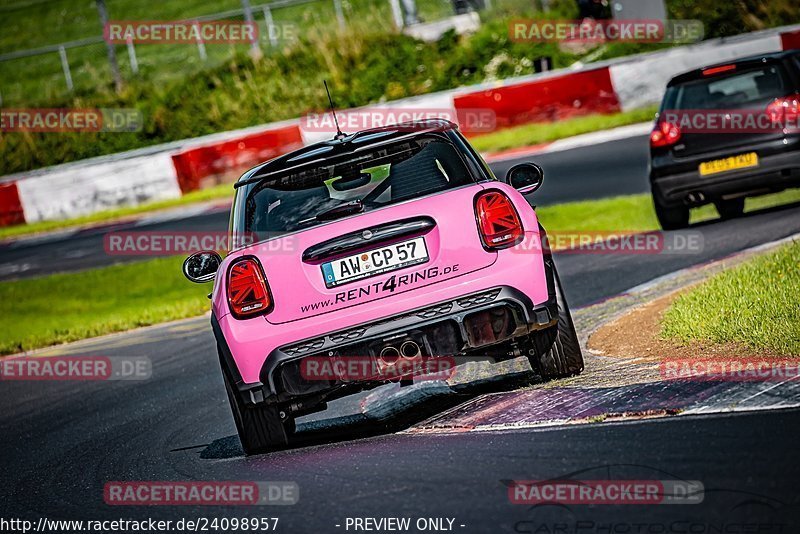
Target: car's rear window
377,177
751,88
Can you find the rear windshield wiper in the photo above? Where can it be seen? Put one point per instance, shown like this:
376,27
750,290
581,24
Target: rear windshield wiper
342,210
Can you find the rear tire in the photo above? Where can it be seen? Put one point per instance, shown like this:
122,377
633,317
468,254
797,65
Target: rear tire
557,351
259,426
673,218
730,209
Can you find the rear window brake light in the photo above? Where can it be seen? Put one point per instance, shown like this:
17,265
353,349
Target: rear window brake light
718,70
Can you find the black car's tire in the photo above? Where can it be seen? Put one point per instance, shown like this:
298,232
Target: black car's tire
259,427
557,351
730,209
673,218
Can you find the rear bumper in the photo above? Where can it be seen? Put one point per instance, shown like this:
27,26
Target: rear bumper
447,328
775,172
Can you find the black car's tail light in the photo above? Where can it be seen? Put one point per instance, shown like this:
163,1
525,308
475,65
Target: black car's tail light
498,221
785,111
664,134
248,294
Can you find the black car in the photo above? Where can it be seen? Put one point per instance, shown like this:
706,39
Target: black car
726,132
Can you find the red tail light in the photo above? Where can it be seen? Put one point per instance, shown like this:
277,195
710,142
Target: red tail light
248,295
664,134
785,111
498,222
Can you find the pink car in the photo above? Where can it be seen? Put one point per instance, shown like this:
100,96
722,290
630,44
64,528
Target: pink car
362,255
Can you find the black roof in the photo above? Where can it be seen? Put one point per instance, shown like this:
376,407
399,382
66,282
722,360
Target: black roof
350,143
748,61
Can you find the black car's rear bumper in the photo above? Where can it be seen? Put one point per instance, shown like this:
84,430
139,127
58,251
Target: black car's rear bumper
775,172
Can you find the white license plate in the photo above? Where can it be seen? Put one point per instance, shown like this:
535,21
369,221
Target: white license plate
374,262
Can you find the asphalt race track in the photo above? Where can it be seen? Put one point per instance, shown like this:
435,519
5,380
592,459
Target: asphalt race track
61,442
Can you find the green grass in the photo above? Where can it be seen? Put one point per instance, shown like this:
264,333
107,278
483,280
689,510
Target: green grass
67,307
754,304
536,133
59,308
222,191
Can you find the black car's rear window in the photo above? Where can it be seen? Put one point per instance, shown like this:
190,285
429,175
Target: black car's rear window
378,177
751,88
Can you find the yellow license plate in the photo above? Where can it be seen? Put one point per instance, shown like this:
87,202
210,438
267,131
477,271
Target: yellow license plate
742,161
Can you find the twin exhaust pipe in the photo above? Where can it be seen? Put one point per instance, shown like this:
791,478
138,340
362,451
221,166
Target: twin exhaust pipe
390,354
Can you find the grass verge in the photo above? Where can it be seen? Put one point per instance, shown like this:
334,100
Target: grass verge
66,307
218,192
754,304
537,133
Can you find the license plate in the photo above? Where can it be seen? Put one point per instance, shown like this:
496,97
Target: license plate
375,262
742,161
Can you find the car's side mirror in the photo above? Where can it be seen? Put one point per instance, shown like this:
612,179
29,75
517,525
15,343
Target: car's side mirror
525,177
202,266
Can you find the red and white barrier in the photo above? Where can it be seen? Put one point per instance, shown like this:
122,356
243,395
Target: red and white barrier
11,211
790,40
223,161
548,99
168,171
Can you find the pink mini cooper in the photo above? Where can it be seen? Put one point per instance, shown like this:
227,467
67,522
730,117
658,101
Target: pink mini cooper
382,247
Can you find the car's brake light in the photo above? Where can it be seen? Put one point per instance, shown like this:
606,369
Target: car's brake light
664,134
718,70
498,221
248,295
785,111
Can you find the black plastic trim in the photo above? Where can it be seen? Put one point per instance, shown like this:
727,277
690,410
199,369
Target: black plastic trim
356,240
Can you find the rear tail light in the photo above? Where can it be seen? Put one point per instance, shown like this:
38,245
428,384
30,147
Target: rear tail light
248,295
664,134
498,221
785,111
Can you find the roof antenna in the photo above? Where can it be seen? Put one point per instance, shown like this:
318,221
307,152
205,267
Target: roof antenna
339,135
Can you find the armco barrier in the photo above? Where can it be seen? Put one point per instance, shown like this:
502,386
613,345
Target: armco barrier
549,99
10,207
224,161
